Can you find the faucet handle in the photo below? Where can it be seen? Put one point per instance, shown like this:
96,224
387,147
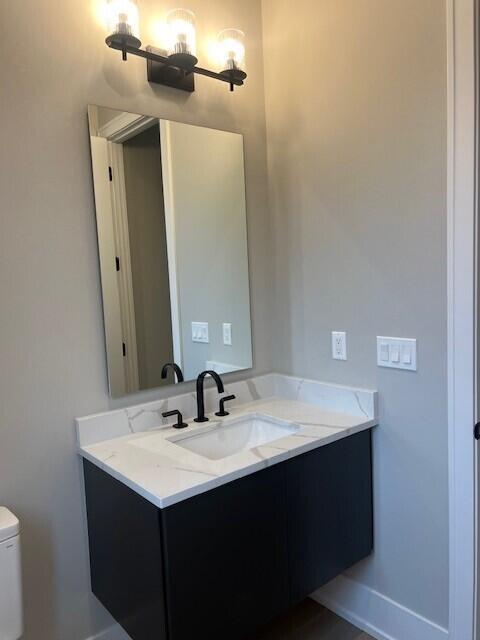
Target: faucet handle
180,423
222,411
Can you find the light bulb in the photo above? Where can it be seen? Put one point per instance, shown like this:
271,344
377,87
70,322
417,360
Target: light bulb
182,37
232,52
123,23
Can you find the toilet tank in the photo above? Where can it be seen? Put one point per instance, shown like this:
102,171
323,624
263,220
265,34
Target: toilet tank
11,615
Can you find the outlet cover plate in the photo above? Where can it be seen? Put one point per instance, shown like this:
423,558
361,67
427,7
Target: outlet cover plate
339,345
227,334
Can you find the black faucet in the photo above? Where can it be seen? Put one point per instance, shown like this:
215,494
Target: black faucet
200,399
175,367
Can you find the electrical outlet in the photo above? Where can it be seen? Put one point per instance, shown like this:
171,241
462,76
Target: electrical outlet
339,345
227,334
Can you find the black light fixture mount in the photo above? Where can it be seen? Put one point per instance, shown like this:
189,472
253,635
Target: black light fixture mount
177,67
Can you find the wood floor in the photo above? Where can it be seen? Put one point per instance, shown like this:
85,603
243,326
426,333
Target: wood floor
310,621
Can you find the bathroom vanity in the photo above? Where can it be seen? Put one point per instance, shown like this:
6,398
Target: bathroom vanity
210,530
213,530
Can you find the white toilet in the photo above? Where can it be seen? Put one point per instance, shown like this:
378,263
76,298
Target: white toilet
11,614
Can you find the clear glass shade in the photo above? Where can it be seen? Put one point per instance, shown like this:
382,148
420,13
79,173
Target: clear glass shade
123,19
231,49
181,32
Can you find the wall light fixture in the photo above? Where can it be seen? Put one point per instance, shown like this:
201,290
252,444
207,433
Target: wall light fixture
232,53
123,25
176,67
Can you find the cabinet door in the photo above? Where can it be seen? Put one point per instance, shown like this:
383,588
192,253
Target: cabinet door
125,555
330,522
226,558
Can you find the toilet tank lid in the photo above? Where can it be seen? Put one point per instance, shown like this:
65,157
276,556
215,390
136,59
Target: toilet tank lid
9,524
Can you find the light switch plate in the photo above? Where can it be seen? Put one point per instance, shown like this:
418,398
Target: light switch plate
339,345
227,333
397,353
200,332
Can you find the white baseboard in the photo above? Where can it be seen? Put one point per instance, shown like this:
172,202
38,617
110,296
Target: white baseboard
374,613
365,608
115,632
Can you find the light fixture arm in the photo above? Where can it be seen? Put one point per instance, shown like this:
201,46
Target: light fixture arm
173,70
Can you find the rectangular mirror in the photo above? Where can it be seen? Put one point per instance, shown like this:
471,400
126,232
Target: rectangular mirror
172,238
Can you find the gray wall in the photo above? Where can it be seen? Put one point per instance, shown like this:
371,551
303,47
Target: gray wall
356,115
52,350
357,149
209,213
148,252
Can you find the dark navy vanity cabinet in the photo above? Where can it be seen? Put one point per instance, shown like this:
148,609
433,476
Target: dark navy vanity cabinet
222,564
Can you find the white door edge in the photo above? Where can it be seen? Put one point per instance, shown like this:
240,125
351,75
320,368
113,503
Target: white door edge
461,315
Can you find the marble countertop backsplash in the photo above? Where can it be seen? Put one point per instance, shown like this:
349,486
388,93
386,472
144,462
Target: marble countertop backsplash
167,473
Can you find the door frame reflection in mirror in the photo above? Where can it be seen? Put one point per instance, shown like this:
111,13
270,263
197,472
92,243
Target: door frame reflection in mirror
114,244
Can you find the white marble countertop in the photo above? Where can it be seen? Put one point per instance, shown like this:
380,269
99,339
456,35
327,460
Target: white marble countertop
165,473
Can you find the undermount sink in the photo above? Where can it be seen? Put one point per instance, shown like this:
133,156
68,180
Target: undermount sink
234,435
